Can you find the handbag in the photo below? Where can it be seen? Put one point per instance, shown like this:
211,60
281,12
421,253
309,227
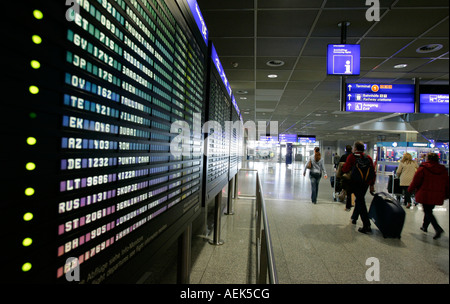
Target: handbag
308,165
347,176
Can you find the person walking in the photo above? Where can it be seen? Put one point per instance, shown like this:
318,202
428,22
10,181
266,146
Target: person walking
363,176
406,170
430,184
345,182
316,167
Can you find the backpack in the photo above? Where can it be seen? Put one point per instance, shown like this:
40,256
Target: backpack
363,170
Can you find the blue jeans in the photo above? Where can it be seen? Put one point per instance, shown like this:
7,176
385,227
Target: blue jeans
315,179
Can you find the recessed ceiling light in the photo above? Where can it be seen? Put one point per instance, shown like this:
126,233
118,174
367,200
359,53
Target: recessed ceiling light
243,98
400,66
241,92
429,48
275,63
272,76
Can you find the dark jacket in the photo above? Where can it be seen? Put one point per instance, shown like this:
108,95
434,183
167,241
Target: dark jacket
344,157
350,162
430,183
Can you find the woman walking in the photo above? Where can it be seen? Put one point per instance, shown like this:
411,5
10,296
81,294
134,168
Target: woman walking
316,167
406,170
431,185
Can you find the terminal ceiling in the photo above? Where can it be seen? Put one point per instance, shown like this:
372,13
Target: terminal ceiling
249,34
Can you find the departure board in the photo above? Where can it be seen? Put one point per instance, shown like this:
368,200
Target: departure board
235,140
98,88
217,139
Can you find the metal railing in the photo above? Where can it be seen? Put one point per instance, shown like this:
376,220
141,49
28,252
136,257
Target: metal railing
265,266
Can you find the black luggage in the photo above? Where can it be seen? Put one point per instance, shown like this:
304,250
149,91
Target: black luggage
338,185
396,187
387,214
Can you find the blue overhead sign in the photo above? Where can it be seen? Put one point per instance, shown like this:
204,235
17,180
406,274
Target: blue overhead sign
268,139
287,138
343,59
306,139
233,101
218,65
434,103
387,98
195,10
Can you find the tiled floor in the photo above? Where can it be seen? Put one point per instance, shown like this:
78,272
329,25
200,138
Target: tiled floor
317,244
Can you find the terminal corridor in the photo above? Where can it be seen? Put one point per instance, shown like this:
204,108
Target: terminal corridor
318,244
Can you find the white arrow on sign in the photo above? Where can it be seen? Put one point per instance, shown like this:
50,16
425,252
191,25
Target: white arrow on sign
349,96
349,106
350,87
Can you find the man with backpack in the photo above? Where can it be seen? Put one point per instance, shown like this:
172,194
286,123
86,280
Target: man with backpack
362,172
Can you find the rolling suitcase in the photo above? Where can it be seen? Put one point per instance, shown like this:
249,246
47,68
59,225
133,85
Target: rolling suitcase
395,188
387,214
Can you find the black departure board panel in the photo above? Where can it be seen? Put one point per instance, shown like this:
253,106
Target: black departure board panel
235,140
97,87
217,138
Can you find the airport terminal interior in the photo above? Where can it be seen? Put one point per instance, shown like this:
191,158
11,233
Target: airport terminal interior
167,141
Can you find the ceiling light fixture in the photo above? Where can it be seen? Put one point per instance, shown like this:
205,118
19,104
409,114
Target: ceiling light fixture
241,92
272,76
429,48
400,66
275,63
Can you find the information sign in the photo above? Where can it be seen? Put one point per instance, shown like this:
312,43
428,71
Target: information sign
287,138
343,59
395,98
434,103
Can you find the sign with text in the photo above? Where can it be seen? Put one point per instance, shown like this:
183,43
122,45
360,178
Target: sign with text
268,139
343,59
220,70
287,138
434,103
195,10
385,98
306,139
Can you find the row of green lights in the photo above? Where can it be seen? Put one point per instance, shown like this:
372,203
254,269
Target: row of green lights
31,141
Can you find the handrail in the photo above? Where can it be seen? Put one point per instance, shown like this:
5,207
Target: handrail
264,253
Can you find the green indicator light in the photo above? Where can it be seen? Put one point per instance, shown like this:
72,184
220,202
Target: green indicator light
36,39
29,191
33,115
26,267
38,14
35,64
30,166
28,216
31,141
34,90
27,242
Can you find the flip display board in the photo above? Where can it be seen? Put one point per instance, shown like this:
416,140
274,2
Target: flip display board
91,182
